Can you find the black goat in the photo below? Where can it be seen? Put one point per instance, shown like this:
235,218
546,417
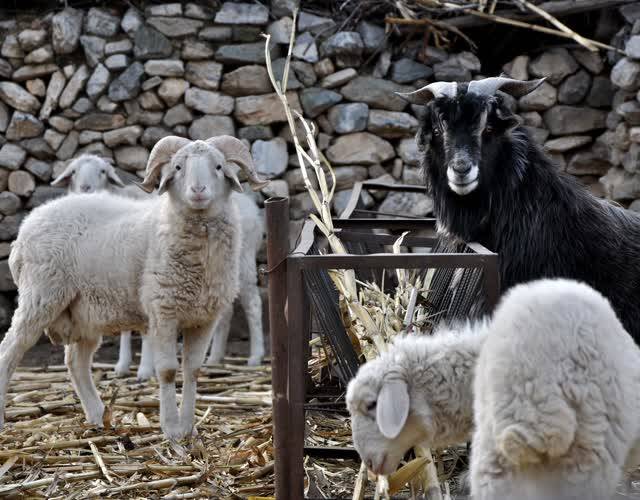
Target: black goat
492,184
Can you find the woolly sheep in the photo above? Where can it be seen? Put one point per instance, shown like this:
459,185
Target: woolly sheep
554,366
88,265
90,173
556,397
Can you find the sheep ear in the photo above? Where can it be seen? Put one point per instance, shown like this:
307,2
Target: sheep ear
392,408
165,180
232,178
114,178
64,177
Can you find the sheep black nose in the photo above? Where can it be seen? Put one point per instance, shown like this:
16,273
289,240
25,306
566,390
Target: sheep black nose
85,188
198,189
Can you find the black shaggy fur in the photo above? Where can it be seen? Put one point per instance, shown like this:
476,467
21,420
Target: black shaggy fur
540,221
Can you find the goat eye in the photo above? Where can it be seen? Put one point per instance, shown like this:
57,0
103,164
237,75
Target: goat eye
488,129
178,167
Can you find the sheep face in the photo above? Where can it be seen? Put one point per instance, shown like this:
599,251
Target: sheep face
382,425
88,174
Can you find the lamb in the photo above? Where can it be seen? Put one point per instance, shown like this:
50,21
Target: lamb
492,184
90,173
94,264
552,398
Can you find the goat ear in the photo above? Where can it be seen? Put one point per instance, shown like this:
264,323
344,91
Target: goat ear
114,178
392,408
507,119
231,176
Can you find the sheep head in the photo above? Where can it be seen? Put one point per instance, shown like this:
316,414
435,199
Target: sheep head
463,127
88,174
197,172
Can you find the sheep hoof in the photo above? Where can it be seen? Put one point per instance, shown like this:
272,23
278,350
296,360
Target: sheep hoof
254,361
121,370
144,373
214,360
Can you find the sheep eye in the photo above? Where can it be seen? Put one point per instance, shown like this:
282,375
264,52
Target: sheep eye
371,406
103,171
178,167
219,167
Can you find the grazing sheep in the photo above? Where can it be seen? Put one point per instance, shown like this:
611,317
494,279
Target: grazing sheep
556,402
173,270
92,174
550,384
492,184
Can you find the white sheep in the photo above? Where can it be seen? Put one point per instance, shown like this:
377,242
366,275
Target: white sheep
88,265
551,382
91,173
557,399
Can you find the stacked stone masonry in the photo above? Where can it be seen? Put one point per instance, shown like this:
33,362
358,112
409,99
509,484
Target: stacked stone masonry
114,82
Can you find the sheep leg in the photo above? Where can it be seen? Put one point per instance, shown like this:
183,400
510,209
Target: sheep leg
164,337
252,305
146,368
220,335
124,356
194,348
78,358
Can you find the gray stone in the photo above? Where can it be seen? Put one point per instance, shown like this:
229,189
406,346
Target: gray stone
468,61
4,117
125,135
601,93
98,82
314,24
12,156
280,30
305,48
56,85
24,126
586,163
276,188
197,11
518,68
348,118
38,147
556,64
281,8
216,33
8,231
131,21
100,22
174,27
96,148
316,100
21,183
407,70
11,48
575,88
120,47
626,74
376,93
631,159
278,72
150,101
167,9
411,204
245,53
346,47
131,158
117,62
538,135
177,115
36,87
255,132
127,85
82,105
540,99
630,112
69,146
242,13
563,120
305,73
567,143
324,68
300,206
74,86
164,67
208,102
630,12
171,90
264,109
61,124
105,105
40,56
193,50
391,124
93,49
32,39
591,60
632,48
17,97
33,71
151,135
210,126
41,169
205,75
408,151
151,83
9,203
451,71
66,27
100,122
340,78
89,136
149,43
5,69
373,36
149,118
361,148
270,157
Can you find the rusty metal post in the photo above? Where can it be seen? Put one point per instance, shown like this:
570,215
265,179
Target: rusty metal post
277,216
298,346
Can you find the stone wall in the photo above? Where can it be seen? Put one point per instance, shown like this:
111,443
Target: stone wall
114,82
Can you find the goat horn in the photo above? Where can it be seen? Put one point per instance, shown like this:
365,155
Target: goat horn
161,153
429,92
515,88
236,152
